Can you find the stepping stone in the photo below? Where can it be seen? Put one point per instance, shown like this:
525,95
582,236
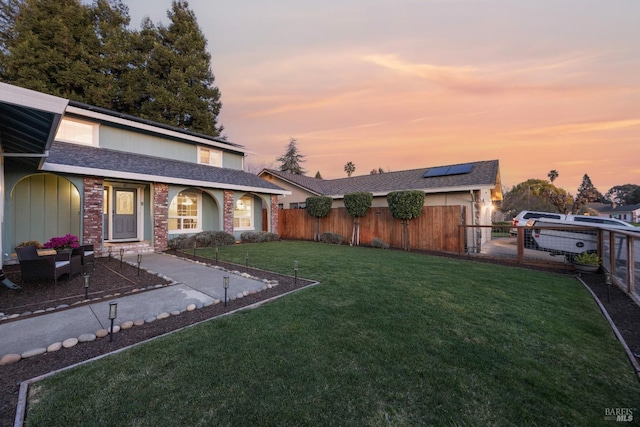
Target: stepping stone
86,338
101,333
69,342
54,347
127,325
8,359
34,352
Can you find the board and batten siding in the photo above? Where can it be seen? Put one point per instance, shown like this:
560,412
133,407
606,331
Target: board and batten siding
44,206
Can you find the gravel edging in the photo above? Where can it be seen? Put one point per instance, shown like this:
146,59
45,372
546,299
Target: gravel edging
24,385
627,350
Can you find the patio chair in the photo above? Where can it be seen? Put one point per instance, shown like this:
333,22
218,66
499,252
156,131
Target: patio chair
77,265
88,257
33,266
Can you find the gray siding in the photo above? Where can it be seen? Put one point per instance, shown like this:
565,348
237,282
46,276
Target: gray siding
43,206
140,143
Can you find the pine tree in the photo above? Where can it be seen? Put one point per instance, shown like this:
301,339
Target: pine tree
291,159
181,84
587,193
52,49
117,68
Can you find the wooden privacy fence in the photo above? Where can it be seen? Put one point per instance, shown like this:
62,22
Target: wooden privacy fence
436,229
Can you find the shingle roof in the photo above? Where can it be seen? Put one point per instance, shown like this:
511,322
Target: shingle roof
483,173
620,208
73,156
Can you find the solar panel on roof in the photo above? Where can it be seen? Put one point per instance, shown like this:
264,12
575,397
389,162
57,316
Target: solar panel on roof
460,169
439,171
448,170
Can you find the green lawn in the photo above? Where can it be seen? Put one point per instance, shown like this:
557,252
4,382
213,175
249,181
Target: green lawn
387,338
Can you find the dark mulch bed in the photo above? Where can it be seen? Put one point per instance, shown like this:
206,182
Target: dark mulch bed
108,278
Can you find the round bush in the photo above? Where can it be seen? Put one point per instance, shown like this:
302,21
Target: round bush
379,243
331,238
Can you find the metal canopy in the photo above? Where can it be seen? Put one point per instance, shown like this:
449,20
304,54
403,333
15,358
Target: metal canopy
28,122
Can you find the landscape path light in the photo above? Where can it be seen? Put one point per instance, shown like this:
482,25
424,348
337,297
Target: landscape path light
113,313
121,255
225,283
607,281
295,270
110,250
246,259
195,244
216,255
139,261
86,286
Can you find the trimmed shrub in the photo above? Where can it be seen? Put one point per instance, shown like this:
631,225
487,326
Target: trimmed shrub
181,242
215,238
331,238
259,237
379,243
358,203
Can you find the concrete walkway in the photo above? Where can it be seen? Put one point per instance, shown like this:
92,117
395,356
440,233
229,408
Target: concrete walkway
196,284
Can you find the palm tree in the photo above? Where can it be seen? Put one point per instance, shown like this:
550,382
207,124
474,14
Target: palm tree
349,168
553,174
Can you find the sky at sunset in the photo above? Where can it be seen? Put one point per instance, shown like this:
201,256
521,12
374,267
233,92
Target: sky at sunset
404,84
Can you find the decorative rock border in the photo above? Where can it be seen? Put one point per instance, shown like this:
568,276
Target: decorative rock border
11,358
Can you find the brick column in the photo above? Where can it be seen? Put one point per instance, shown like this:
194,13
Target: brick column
160,216
274,213
92,212
228,211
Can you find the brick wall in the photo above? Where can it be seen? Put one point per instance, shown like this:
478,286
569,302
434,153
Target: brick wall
92,212
228,211
160,216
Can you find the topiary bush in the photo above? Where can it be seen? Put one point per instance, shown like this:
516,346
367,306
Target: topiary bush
379,243
318,207
331,238
259,237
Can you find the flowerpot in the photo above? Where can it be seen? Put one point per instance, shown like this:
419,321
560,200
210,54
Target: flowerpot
586,268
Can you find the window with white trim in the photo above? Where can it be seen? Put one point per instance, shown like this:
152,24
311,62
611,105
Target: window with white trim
208,156
185,212
77,132
243,214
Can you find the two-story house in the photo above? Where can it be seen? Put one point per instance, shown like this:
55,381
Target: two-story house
111,179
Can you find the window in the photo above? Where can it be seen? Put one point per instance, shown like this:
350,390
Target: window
77,132
243,213
301,205
280,205
208,156
184,212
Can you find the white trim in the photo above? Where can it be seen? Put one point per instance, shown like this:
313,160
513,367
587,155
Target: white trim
31,99
140,192
198,229
106,173
153,129
210,151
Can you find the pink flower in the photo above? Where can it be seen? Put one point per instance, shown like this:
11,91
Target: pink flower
63,242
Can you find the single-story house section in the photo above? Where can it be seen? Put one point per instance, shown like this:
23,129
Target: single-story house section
475,186
118,180
628,213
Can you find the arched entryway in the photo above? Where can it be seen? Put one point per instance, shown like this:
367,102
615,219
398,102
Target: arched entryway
44,206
